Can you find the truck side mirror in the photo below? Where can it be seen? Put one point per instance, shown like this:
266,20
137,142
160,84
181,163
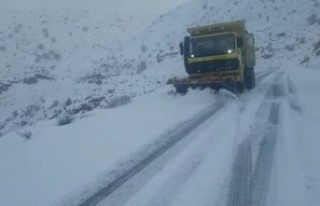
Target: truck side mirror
240,41
181,48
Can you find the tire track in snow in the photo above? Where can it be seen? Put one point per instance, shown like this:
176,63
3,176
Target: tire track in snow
166,193
248,186
293,100
262,172
261,76
172,138
239,191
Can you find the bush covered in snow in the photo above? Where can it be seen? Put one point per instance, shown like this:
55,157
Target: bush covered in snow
65,119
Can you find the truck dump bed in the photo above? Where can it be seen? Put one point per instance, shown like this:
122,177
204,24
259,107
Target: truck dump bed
235,26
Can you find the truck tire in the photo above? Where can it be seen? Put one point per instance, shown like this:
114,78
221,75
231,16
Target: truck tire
250,78
181,89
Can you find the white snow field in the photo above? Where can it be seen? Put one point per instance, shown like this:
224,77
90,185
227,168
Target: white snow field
86,117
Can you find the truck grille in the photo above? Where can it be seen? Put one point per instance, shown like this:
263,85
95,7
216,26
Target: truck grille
214,66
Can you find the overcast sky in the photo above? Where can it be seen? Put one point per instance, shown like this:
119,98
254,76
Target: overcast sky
140,8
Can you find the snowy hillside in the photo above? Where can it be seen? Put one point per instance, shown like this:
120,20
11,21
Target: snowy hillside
83,92
82,51
49,56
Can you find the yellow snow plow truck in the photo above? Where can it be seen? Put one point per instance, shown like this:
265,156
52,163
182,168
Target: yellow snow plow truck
218,56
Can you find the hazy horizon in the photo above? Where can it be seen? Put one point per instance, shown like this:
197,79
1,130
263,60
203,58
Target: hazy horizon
153,8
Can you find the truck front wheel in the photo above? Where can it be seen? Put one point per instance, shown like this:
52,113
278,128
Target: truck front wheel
181,89
250,78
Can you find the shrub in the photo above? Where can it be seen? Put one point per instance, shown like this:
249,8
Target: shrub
305,60
65,119
301,40
4,87
85,29
204,6
281,34
68,102
141,67
143,48
119,101
3,48
290,47
26,135
316,46
312,19
40,46
94,78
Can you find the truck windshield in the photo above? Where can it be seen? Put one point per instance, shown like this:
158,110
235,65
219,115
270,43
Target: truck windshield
216,45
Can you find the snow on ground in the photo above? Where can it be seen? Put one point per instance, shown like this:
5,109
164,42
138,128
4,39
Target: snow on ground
59,160
75,64
187,179
297,179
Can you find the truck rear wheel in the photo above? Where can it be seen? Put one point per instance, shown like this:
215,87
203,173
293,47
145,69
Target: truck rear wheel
250,78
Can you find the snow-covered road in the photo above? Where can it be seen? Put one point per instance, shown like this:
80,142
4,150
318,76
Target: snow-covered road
258,148
169,140
223,156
